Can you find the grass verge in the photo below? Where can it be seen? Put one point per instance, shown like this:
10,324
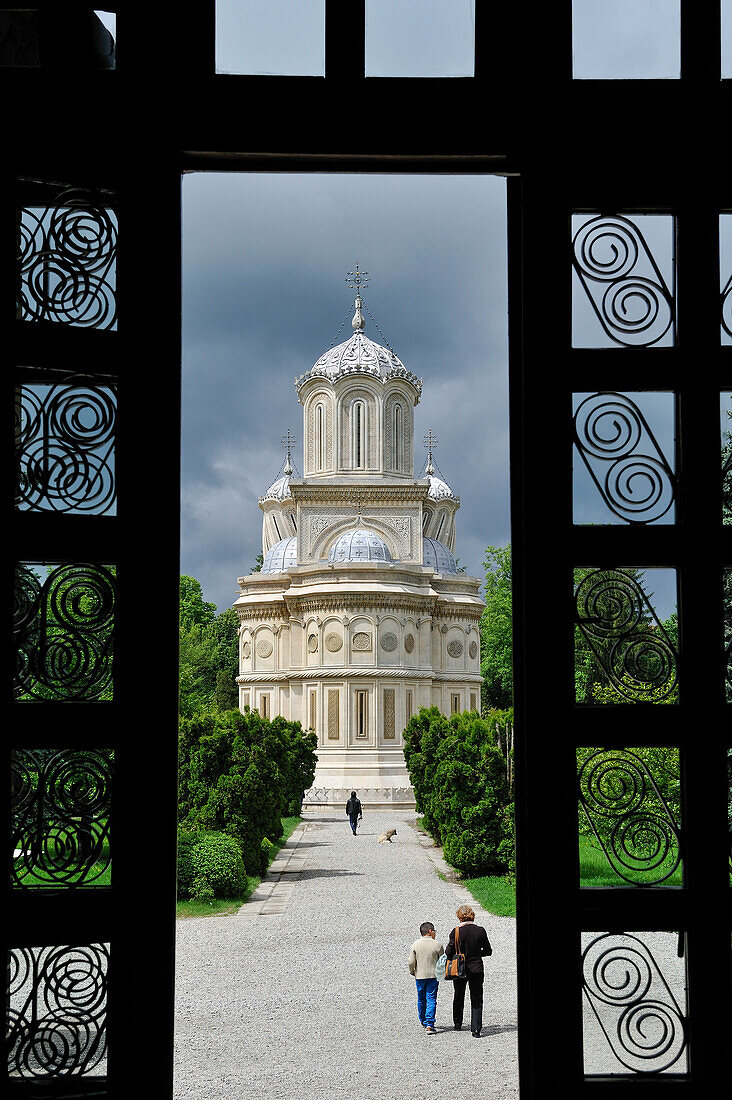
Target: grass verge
222,907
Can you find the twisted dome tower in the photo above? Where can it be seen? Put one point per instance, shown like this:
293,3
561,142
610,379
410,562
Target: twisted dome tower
359,615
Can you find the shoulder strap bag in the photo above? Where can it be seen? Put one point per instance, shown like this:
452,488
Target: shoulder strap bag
455,967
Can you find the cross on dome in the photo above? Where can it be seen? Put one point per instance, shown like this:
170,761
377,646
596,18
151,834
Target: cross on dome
430,441
288,441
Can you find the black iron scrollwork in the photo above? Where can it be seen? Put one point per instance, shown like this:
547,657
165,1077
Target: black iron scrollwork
622,281
61,804
57,1008
633,1004
64,633
725,307
65,440
625,635
629,816
67,262
610,430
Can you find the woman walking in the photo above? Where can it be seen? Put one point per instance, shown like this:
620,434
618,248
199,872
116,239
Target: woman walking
473,943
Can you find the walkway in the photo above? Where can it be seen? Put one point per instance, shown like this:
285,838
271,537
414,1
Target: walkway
304,994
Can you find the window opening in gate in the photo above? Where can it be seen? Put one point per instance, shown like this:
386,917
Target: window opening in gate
626,39
423,359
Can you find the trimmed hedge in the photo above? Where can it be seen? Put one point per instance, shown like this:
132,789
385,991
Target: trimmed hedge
209,866
461,786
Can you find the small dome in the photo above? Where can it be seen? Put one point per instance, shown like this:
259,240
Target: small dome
439,489
436,556
279,489
359,545
281,557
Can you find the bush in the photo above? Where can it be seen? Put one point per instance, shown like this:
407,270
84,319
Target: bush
239,774
187,840
459,774
217,867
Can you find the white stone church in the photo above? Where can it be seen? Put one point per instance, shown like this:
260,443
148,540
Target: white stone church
359,615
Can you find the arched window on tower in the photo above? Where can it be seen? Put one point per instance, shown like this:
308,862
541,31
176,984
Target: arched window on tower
397,436
320,428
358,435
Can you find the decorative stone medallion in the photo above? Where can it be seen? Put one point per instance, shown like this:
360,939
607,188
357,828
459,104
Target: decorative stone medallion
246,650
389,642
313,643
455,649
361,641
473,651
264,648
409,643
333,642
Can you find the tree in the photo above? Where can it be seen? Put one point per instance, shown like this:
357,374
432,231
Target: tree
208,653
459,777
496,627
239,774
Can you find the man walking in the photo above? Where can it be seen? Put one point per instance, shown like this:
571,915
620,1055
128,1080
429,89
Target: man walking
354,812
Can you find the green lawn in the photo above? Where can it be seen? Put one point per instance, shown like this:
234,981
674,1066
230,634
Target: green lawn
221,907
595,868
495,893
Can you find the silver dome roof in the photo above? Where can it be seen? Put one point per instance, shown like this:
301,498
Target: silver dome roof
279,489
436,556
439,489
281,557
359,544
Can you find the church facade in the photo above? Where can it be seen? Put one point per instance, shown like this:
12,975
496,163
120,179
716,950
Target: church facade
359,615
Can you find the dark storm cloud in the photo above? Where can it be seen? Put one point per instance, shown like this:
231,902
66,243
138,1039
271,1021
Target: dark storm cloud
265,259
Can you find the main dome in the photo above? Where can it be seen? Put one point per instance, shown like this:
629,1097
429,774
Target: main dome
359,544
358,353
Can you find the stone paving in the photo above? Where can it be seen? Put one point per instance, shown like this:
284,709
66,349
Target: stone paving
305,992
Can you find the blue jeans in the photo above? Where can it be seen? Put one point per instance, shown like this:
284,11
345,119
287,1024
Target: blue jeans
427,1000
354,822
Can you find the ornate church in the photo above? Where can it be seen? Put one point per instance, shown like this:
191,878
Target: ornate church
359,615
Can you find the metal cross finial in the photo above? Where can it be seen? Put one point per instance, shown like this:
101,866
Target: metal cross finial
356,279
288,441
430,441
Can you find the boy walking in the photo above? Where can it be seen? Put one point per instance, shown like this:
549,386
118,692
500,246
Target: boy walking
423,954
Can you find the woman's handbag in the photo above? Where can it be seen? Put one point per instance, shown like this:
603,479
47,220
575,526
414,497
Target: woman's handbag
440,967
455,967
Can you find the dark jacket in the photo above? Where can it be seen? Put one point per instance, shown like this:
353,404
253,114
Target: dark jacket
353,807
473,945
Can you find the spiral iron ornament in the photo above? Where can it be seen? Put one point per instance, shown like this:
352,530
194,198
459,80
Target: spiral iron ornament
633,1004
67,261
56,1014
625,635
623,458
629,817
65,442
622,281
64,632
61,807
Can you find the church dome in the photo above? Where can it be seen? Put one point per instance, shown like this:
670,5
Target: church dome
359,545
439,489
358,352
281,557
436,555
279,489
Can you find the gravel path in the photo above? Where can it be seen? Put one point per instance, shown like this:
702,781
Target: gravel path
306,988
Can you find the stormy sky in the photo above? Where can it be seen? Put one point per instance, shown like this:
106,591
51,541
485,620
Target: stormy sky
265,258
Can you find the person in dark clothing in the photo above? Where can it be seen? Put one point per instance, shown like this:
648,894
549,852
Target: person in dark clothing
474,945
354,812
